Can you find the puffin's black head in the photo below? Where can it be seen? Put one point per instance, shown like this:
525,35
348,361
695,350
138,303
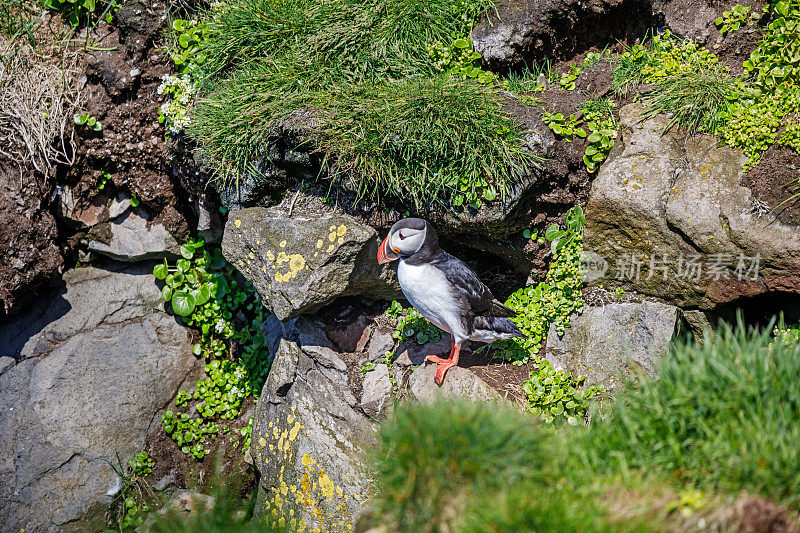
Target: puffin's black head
405,239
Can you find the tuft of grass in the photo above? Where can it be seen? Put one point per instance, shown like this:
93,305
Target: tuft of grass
724,416
421,140
424,140
697,99
389,123
529,79
460,466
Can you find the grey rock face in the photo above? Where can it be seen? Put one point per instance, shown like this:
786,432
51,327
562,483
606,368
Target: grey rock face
307,441
376,391
88,385
300,264
616,341
380,343
458,383
669,217
133,238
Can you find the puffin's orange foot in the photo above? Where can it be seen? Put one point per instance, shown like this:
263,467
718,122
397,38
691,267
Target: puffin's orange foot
436,359
442,369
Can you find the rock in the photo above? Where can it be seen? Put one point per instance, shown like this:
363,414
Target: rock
412,353
79,214
6,363
376,390
618,340
669,217
165,482
380,343
300,264
299,330
91,297
119,205
133,238
208,222
458,383
518,29
92,379
308,441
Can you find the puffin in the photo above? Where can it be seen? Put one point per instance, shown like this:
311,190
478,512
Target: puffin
444,290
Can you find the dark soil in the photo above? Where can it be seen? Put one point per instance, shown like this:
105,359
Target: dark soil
30,257
123,73
774,180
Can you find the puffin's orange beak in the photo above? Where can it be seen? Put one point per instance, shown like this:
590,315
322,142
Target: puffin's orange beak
385,255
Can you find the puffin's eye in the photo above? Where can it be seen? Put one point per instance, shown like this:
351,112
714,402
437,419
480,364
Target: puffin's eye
400,234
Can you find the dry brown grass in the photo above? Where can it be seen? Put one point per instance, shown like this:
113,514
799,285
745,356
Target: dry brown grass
38,98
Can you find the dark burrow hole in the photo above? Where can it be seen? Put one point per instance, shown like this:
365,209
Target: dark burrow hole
576,29
759,311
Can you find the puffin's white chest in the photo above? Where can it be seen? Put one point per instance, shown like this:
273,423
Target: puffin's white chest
427,289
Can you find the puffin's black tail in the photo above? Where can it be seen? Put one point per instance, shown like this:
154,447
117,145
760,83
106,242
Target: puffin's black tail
492,328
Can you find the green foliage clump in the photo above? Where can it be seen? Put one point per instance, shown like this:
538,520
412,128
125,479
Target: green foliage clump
85,119
84,11
141,465
773,90
410,324
698,100
557,394
601,122
207,293
398,102
724,415
565,127
551,302
733,19
460,59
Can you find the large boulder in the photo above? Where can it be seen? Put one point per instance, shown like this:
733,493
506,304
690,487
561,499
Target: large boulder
614,342
667,217
308,441
299,261
93,366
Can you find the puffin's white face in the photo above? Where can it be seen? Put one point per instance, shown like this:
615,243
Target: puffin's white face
404,240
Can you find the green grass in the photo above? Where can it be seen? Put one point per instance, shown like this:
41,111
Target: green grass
723,419
696,99
473,467
724,416
390,124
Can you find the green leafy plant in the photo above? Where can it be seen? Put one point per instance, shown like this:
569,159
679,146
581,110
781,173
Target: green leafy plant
550,302
84,11
557,393
732,19
130,504
104,179
205,291
141,464
600,120
460,59
565,127
85,119
410,324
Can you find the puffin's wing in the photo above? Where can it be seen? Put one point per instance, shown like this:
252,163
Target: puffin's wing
466,282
